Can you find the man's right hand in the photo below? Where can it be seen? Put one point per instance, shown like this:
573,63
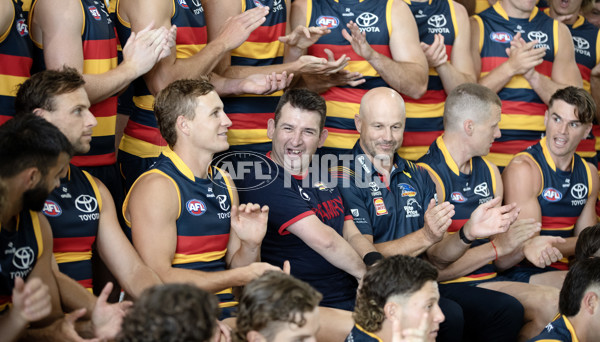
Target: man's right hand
519,232
522,56
437,220
31,300
238,28
540,250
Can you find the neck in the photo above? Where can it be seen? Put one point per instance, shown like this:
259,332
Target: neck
514,12
562,163
11,206
458,151
570,21
386,332
582,326
197,160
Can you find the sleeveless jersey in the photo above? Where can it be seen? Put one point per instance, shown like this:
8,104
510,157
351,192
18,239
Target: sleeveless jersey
522,122
559,330
15,61
563,194
424,117
250,113
73,210
203,222
99,56
141,136
465,191
359,334
374,18
19,251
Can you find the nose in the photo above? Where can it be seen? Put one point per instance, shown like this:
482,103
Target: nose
90,119
562,127
497,133
438,315
226,122
388,136
297,138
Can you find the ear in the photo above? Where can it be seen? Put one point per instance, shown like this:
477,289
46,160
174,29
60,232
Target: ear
254,336
270,128
357,122
587,132
323,137
40,112
590,302
546,118
183,125
390,309
31,177
468,127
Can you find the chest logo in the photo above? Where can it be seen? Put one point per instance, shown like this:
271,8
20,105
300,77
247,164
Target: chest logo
457,197
195,207
379,206
438,20
482,190
52,209
407,190
21,26
501,37
23,258
579,191
366,20
540,36
551,195
223,202
86,203
95,12
183,4
581,43
330,22
303,194
355,212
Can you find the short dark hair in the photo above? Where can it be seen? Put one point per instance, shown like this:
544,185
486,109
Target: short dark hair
274,297
178,98
395,275
588,242
580,98
582,275
170,313
40,90
30,141
304,99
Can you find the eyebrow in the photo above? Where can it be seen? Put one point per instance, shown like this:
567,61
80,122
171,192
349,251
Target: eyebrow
556,114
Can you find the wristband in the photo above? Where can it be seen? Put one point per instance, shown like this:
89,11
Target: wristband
462,236
495,250
372,257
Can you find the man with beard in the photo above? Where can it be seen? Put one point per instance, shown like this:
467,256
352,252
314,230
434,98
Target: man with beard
81,211
34,156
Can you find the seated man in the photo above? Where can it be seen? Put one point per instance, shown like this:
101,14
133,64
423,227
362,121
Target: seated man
392,200
466,178
278,307
552,184
398,291
81,211
184,215
308,223
588,243
579,305
191,314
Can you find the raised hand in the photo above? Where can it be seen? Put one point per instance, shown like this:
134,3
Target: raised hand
488,220
263,84
249,222
238,28
106,317
437,220
522,56
30,300
146,47
436,52
302,37
358,40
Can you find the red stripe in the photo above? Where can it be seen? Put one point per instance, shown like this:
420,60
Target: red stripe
342,131
448,50
430,97
347,95
4,118
490,63
560,266
100,48
73,244
520,107
283,229
15,65
318,50
267,34
87,283
596,130
511,147
587,145
549,222
106,108
545,68
145,133
585,72
5,299
191,35
456,225
250,121
480,275
201,244
95,160
420,138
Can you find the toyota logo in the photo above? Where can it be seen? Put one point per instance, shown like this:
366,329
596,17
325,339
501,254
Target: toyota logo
581,43
438,20
482,190
579,191
367,19
23,258
540,36
86,203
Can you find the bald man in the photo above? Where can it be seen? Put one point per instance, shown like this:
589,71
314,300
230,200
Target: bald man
392,199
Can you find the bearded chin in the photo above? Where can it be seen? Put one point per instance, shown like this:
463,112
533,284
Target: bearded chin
34,199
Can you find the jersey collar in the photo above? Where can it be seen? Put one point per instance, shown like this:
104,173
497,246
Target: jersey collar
498,7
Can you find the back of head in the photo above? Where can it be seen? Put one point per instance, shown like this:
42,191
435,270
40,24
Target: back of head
398,275
178,98
468,101
30,141
39,90
303,99
588,243
271,299
171,313
580,99
583,276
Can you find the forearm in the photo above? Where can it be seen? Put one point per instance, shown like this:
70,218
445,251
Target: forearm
138,279
448,250
472,260
413,244
507,261
11,325
361,245
240,71
212,282
340,254
545,86
408,78
567,248
452,77
245,255
73,295
497,78
102,86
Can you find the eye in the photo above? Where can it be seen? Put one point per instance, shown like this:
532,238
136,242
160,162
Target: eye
575,124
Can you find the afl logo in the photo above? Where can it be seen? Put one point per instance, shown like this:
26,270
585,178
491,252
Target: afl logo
457,197
21,26
95,13
195,207
327,21
257,3
501,37
183,4
52,209
551,195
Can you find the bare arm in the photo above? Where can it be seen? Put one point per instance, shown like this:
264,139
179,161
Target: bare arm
358,241
7,13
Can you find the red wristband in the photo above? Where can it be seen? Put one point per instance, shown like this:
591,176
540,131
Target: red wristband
495,250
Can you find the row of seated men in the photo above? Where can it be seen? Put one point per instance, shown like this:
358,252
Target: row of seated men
188,225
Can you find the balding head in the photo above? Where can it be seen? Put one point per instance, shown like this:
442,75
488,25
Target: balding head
381,100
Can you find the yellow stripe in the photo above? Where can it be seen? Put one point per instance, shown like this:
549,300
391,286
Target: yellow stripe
481,5
481,30
436,176
95,187
342,109
121,20
227,183
598,48
247,136
539,169
555,32
388,16
309,13
547,155
37,229
259,50
559,229
82,18
99,66
586,154
188,50
467,279
140,148
179,164
500,159
179,259
30,22
106,126
492,173
516,82
363,67
9,85
589,176
521,121
63,257
243,5
341,140
144,102
412,152
571,329
453,15
373,336
587,86
447,157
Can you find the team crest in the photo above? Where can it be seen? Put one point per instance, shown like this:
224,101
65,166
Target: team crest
95,12
52,209
407,190
379,206
551,195
196,207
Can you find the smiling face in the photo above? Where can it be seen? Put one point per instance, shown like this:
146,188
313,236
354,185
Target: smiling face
209,126
593,14
564,131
